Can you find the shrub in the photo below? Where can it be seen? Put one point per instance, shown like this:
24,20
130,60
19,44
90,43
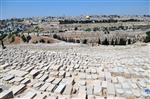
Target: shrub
48,41
147,38
122,41
18,35
55,36
63,39
61,31
129,41
116,42
106,31
2,36
121,27
9,35
99,41
12,38
78,41
112,42
85,41
42,41
95,29
35,42
58,37
28,38
105,42
76,28
71,40
88,29
24,38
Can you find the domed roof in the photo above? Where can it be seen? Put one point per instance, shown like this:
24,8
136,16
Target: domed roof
87,17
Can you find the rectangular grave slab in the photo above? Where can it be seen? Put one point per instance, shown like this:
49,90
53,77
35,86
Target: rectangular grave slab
18,73
104,84
68,90
6,94
44,87
97,90
38,84
43,78
60,88
29,95
108,76
50,79
8,77
82,76
89,90
40,96
18,89
51,88
25,81
57,81
34,73
110,89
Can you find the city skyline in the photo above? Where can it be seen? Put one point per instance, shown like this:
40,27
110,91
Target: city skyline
30,8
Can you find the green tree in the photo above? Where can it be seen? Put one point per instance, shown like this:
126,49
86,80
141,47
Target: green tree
78,41
129,41
48,41
42,41
84,41
147,38
24,38
28,38
122,41
35,42
2,36
55,36
105,42
38,30
76,28
10,35
99,41
88,29
95,29
112,42
12,38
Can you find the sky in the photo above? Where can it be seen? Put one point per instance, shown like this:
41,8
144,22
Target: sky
30,8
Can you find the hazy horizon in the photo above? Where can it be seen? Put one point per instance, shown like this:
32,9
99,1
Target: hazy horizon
34,8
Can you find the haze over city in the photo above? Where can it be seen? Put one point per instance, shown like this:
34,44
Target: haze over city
30,8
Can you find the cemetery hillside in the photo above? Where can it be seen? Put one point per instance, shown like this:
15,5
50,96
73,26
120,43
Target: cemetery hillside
75,57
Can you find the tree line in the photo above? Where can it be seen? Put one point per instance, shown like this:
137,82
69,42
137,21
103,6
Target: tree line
120,41
96,21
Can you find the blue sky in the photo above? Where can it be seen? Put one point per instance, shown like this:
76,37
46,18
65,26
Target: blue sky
29,8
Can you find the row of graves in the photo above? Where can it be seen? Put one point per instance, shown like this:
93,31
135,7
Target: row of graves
32,74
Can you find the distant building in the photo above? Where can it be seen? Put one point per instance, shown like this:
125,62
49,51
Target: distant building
87,17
